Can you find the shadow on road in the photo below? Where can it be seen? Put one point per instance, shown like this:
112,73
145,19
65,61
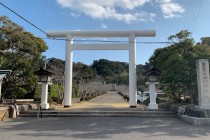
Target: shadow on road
103,128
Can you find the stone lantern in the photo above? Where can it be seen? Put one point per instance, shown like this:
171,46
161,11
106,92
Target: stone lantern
44,79
152,79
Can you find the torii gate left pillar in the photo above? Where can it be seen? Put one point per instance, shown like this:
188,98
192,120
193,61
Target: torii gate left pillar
130,46
68,72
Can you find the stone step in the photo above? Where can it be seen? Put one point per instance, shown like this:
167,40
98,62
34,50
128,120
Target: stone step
100,112
143,114
99,115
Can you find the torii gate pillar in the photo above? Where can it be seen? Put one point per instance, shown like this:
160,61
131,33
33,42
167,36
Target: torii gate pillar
68,72
130,46
132,71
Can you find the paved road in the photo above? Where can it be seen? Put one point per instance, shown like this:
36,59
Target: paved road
111,97
101,129
109,101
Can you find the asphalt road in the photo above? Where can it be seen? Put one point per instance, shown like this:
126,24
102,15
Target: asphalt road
103,128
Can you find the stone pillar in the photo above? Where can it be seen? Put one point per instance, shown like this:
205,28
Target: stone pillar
132,71
153,95
68,72
203,83
44,103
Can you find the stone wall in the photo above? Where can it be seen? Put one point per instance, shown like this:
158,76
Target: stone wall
199,113
12,111
187,109
195,120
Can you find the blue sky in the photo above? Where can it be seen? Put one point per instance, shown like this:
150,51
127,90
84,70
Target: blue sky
167,17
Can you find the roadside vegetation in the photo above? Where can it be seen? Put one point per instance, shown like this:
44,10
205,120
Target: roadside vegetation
177,63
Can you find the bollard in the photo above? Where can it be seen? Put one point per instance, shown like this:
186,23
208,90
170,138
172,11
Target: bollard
39,111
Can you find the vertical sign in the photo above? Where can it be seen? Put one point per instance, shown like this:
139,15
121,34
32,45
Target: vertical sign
203,83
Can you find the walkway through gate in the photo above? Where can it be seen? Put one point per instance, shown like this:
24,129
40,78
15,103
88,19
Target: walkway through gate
130,46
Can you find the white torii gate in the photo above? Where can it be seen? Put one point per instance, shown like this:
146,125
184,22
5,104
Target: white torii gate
130,46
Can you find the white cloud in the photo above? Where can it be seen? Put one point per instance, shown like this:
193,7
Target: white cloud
170,9
103,26
75,15
122,10
109,9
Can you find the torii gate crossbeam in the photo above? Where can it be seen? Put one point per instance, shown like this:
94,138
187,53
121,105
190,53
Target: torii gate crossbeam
130,46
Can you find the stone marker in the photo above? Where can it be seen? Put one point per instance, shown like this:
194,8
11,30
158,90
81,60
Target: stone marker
203,83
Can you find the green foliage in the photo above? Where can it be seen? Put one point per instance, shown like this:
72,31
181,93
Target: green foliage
20,51
55,89
82,71
141,77
178,65
205,40
38,90
109,68
123,78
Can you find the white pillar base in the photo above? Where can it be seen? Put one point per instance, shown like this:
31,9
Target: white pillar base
153,106
45,106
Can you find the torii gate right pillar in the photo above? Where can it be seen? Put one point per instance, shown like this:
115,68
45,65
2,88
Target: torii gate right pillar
132,71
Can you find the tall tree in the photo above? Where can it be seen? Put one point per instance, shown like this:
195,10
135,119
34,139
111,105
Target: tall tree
20,51
178,64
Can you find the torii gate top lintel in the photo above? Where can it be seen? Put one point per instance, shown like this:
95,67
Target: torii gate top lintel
100,34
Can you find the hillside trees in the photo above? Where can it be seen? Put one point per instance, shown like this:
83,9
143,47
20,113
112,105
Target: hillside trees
112,72
20,51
